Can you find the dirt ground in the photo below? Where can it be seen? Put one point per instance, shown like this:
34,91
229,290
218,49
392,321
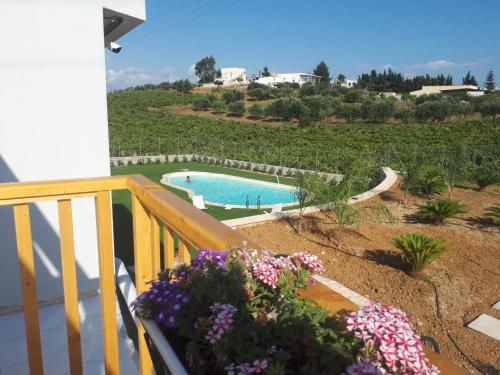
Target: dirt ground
461,285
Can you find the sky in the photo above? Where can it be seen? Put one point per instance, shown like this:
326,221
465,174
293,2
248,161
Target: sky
351,36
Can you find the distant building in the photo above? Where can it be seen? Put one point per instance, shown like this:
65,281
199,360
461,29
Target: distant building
232,76
468,89
349,83
299,78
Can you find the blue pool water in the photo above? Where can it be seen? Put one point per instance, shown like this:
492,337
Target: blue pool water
223,189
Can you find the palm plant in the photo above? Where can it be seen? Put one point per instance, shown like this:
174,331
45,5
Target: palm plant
484,178
431,180
419,250
438,210
493,214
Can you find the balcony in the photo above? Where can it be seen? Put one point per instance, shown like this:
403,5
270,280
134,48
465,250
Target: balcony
165,230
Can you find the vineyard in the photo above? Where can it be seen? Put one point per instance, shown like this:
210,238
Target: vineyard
140,123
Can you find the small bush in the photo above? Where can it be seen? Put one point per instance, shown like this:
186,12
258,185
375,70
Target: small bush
484,178
431,180
493,214
205,159
157,161
202,103
176,159
140,162
419,250
184,159
128,162
438,210
271,170
218,106
120,163
248,166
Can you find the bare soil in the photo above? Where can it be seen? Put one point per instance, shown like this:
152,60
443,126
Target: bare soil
460,286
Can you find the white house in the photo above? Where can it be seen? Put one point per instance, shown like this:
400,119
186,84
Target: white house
230,76
349,83
299,78
53,125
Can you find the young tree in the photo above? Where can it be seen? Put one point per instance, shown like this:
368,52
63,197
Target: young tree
455,166
205,69
232,96
489,84
302,194
236,108
322,71
469,79
266,72
256,111
490,106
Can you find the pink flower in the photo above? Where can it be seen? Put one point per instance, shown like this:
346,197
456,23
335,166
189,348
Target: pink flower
390,341
259,366
308,261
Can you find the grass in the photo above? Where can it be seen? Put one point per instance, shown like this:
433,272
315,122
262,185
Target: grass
122,217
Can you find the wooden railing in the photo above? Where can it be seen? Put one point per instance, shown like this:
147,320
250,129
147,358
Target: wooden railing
154,210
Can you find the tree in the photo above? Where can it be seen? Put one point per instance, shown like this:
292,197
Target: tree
232,96
469,79
308,89
340,79
182,85
236,108
256,111
302,193
205,69
218,106
322,71
490,106
378,110
435,110
266,72
202,103
489,84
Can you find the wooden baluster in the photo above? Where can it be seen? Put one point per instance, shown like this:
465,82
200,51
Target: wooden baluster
143,270
70,286
184,255
155,245
28,287
107,282
168,247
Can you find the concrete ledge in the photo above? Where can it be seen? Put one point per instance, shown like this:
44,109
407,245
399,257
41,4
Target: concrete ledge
351,295
389,180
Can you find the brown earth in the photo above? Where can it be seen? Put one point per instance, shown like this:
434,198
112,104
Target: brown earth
461,285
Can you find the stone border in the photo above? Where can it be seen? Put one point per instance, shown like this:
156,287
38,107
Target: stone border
350,294
254,167
389,180
165,177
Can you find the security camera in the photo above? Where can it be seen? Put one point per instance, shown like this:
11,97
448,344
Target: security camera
114,47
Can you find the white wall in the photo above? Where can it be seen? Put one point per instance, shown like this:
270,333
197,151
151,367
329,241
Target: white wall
53,125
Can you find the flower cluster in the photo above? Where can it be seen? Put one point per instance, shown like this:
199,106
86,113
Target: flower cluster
223,317
268,269
256,367
208,257
308,261
390,341
167,300
364,367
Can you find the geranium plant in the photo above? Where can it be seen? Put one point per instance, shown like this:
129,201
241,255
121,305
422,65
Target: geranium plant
238,313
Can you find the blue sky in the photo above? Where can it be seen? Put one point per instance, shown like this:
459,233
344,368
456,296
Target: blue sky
351,36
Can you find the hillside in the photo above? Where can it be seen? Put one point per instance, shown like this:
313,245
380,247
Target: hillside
141,122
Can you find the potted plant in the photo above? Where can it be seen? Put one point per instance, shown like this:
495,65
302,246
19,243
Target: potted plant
238,312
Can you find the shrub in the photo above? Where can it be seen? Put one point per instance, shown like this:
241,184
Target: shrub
205,159
438,210
120,163
176,159
271,170
484,178
259,93
490,106
430,179
378,110
433,110
232,96
218,106
202,102
419,250
404,114
184,159
236,108
256,111
248,166
493,214
157,160
140,162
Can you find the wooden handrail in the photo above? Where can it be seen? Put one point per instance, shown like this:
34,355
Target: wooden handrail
153,208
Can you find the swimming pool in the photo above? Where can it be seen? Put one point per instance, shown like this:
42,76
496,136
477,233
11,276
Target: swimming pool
225,190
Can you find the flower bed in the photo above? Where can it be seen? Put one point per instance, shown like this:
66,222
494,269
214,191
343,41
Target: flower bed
238,313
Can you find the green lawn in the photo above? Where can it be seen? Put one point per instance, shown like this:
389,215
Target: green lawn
121,199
